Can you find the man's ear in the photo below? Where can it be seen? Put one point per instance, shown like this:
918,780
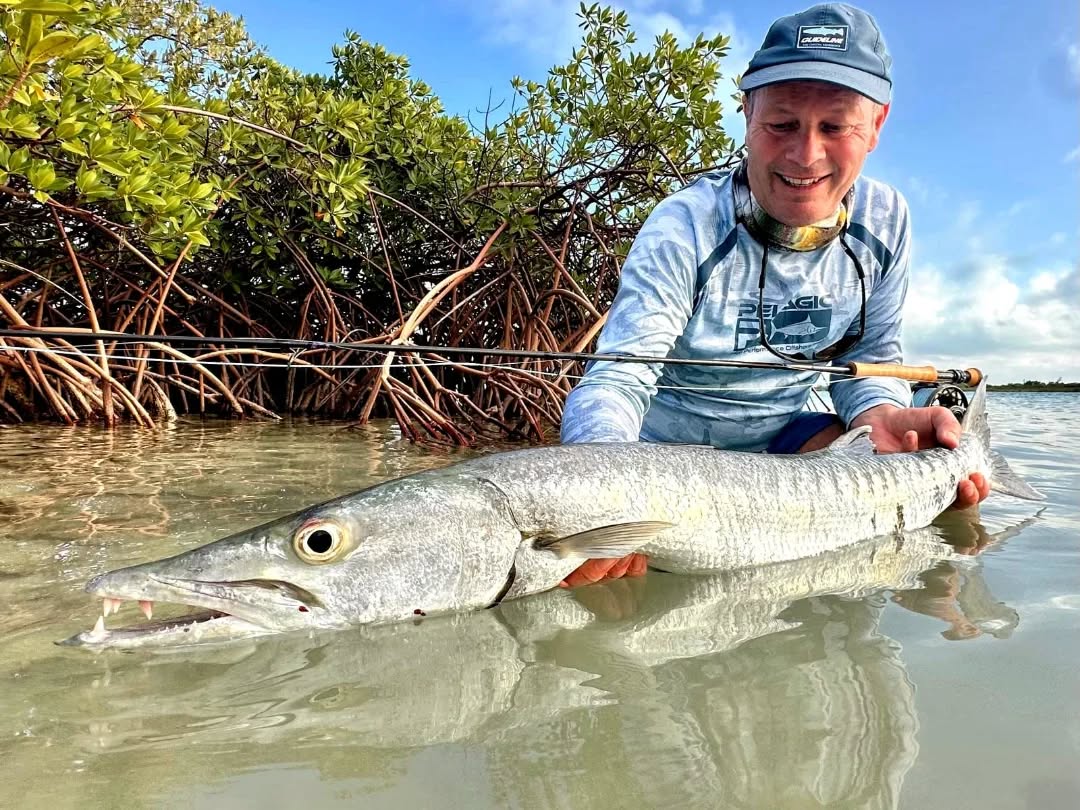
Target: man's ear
881,112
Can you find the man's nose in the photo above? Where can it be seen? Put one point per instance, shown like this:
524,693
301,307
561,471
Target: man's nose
806,147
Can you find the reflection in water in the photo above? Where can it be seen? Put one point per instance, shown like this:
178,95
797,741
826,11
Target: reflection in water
957,595
770,687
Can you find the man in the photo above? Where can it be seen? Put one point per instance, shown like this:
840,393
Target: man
793,255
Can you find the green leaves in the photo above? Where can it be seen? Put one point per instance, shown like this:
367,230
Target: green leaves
163,118
51,46
57,8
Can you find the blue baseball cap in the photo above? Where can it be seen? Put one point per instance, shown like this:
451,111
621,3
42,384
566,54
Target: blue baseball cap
833,43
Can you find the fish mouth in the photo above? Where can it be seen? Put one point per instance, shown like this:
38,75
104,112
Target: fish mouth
221,611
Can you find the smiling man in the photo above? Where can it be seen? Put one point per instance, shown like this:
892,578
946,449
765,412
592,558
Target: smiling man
794,255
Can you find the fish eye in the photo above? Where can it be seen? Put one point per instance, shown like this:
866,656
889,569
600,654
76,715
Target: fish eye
319,541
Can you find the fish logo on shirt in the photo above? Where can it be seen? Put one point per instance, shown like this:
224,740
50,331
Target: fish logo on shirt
805,327
803,320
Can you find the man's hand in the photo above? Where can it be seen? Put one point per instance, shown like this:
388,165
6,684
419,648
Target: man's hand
903,430
632,565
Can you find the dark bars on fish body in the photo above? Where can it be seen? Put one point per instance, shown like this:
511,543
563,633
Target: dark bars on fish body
970,376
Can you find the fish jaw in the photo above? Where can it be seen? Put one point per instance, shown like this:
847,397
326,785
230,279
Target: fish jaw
225,610
199,628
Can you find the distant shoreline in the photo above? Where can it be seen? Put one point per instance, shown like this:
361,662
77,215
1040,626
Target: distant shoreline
1038,387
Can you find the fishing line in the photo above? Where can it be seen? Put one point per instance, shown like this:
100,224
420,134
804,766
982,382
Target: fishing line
406,348
853,369
125,361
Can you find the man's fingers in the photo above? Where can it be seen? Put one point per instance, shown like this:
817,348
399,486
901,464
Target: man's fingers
981,484
588,572
621,566
632,565
639,564
910,442
946,428
966,495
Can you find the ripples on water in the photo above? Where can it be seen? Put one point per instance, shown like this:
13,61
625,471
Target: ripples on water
954,687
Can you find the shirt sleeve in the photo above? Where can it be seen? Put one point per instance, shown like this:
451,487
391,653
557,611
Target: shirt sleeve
651,309
881,343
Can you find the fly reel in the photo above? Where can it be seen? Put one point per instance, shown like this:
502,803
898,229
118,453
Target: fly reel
947,396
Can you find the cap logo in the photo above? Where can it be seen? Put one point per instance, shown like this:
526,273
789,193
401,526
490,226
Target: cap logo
832,37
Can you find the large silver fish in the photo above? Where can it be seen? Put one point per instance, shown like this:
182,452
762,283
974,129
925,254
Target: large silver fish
510,524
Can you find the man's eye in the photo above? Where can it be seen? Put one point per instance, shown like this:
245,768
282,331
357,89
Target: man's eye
836,129
784,126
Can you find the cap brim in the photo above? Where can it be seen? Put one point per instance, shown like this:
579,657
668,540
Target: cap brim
873,87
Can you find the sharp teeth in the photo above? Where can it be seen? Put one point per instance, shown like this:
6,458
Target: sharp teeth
147,608
110,605
99,628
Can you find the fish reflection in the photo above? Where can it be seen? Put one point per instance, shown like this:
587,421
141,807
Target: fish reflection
770,687
958,594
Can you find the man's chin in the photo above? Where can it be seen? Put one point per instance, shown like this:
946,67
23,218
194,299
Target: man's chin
801,216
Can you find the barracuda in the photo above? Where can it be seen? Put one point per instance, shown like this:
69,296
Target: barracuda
510,524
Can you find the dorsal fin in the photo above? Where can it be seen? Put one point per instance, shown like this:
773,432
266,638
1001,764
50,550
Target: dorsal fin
974,420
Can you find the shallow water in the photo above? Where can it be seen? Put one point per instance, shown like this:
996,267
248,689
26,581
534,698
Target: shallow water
956,686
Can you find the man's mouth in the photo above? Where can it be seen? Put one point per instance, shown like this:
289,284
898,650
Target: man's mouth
801,182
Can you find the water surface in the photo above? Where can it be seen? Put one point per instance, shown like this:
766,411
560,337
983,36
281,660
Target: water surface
929,684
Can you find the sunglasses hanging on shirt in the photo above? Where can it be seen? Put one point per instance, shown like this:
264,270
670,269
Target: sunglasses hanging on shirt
769,232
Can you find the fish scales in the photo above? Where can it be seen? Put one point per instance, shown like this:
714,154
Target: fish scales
728,509
507,525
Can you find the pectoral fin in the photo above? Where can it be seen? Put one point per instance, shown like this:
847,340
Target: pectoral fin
605,542
855,442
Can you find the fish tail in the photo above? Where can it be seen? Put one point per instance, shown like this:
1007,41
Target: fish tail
1002,477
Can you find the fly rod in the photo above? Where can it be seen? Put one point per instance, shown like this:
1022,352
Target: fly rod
969,376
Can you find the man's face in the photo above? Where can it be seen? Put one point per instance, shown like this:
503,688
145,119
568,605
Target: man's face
808,142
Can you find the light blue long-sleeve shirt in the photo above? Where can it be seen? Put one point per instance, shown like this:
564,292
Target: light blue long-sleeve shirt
689,288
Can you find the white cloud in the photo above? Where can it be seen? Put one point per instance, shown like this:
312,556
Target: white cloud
985,313
547,29
740,48
649,26
917,190
1019,207
1073,156
1060,68
967,214
1043,283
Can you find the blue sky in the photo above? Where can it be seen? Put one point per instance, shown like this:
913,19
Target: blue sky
983,137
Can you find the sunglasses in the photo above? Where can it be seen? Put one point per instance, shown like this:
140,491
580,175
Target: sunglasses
842,346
